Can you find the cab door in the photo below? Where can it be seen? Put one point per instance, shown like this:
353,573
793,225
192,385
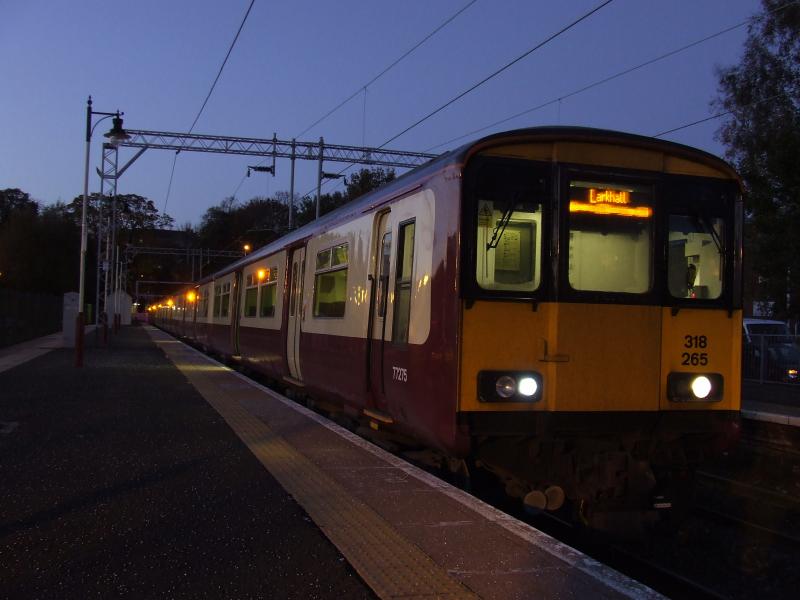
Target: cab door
380,309
296,276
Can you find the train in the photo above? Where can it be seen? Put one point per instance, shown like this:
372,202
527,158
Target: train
556,308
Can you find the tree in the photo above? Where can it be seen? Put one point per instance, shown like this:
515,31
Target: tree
762,135
134,212
228,225
366,180
306,209
39,248
15,201
260,220
358,184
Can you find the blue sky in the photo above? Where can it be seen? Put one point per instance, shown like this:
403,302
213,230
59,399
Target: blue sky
294,61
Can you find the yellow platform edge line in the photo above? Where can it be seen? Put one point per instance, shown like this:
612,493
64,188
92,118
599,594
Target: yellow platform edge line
389,563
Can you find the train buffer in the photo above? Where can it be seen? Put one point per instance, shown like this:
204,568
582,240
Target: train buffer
154,471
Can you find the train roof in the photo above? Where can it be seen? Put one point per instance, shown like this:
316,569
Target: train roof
598,136
415,178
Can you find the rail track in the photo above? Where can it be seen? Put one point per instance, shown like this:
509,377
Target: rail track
745,524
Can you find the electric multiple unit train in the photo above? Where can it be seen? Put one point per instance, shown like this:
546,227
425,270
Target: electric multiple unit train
558,306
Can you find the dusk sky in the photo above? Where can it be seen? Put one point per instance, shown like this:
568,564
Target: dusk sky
294,61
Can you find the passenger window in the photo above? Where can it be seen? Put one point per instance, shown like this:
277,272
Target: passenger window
695,257
610,233
268,279
339,255
202,300
225,296
250,297
330,282
402,285
383,276
217,299
324,259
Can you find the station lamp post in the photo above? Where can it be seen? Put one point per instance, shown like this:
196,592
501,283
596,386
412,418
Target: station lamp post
115,136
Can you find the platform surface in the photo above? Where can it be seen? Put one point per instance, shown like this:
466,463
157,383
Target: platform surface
118,480
771,402
155,471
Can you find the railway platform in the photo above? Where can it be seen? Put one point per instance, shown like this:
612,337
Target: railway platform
155,471
777,403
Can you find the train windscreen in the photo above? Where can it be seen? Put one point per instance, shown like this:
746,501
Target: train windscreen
509,226
695,260
610,237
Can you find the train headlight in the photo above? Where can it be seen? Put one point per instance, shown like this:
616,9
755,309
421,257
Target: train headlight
528,387
701,387
505,386
694,387
509,386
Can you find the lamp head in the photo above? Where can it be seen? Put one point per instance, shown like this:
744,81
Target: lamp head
117,134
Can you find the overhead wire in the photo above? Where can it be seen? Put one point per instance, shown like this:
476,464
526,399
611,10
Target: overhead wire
590,86
489,77
716,116
363,88
693,123
502,69
222,66
388,68
610,78
210,91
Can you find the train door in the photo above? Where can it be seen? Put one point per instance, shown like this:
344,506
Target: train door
182,305
380,314
396,351
195,302
296,275
236,304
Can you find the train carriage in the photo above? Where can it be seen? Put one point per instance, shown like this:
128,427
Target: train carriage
559,306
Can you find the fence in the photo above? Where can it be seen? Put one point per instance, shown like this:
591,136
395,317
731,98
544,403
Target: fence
771,358
27,315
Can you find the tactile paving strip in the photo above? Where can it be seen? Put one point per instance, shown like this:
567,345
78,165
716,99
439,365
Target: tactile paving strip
391,565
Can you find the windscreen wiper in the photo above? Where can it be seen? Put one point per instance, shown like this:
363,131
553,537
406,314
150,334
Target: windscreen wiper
702,219
500,227
714,234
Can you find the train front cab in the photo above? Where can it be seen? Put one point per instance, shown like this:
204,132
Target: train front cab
601,328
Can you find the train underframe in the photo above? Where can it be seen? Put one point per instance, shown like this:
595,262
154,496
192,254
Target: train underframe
620,473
